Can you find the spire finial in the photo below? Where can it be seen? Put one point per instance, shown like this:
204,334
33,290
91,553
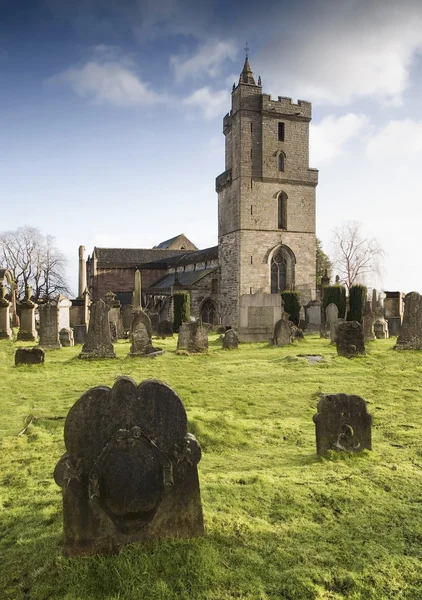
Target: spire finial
247,50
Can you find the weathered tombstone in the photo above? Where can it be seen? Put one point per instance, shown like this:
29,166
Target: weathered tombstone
302,318
5,330
63,306
368,326
313,316
127,317
140,336
79,317
394,326
410,337
333,330
113,332
165,329
49,326
155,319
282,333
350,340
230,340
374,303
342,423
130,469
381,329
193,337
331,313
29,356
66,337
27,331
114,316
98,340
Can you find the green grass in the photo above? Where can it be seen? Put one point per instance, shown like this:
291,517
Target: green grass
281,523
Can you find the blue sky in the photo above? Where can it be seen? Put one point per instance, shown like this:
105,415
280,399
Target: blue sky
111,116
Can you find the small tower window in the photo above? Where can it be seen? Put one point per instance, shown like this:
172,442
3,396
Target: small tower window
280,162
281,132
282,211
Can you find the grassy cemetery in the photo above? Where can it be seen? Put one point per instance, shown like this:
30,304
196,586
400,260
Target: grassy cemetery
281,522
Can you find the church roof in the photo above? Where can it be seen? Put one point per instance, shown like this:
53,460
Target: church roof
133,257
188,258
185,279
180,240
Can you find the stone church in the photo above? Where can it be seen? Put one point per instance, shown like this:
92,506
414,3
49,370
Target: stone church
266,224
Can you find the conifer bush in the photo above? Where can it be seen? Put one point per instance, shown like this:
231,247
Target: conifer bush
181,309
292,305
357,302
335,294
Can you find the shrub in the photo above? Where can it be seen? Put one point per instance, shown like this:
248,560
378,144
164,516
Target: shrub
335,294
357,302
292,305
181,309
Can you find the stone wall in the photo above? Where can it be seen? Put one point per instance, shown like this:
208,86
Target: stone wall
121,280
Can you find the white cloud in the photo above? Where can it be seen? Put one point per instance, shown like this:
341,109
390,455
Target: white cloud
109,82
328,138
398,141
207,61
212,104
347,50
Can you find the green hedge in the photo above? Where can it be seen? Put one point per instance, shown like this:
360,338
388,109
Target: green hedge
335,294
357,302
292,305
181,309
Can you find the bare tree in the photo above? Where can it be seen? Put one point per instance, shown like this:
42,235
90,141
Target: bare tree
355,257
35,260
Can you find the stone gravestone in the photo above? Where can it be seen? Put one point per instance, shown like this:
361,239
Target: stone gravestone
342,423
130,469
282,333
410,337
66,337
165,329
193,337
230,340
333,330
368,326
140,336
331,313
63,306
49,326
27,331
98,340
127,317
350,340
5,330
29,356
381,329
313,316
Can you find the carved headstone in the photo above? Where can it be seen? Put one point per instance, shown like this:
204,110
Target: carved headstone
5,330
27,331
381,329
410,337
230,340
368,326
98,340
66,337
49,326
342,423
140,336
333,330
130,469
282,333
193,337
331,313
313,316
165,329
29,356
127,316
350,340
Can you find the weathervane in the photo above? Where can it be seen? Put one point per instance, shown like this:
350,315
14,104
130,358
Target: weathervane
246,50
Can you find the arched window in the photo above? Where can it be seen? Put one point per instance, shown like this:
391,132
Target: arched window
209,312
282,270
280,161
282,211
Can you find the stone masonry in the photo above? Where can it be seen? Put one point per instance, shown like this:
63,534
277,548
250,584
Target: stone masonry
250,231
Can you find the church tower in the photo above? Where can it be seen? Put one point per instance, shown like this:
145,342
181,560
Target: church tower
266,198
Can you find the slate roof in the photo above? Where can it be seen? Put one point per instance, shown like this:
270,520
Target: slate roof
164,245
133,257
187,258
185,278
